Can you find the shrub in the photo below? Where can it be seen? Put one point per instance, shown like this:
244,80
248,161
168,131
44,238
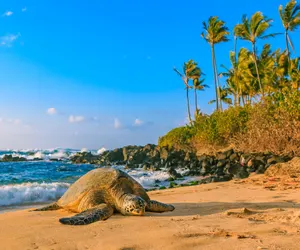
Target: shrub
178,138
272,125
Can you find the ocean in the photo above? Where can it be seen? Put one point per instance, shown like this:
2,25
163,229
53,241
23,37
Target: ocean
30,183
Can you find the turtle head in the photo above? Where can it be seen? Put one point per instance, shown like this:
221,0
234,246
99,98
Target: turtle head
133,205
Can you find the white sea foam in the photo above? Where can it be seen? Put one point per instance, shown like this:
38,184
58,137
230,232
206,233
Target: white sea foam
101,151
59,155
148,179
30,193
42,154
37,155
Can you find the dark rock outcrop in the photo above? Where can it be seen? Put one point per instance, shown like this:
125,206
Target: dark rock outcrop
220,167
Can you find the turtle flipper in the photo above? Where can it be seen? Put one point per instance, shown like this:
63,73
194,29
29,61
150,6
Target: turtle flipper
99,212
158,207
53,206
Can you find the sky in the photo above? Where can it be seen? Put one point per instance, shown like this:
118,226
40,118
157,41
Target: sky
92,74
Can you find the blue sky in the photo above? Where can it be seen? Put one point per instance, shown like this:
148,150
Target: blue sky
99,73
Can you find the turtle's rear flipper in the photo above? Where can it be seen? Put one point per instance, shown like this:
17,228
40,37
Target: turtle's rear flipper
99,212
158,207
50,207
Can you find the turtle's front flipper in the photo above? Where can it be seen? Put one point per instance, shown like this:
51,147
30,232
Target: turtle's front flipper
99,212
50,207
158,207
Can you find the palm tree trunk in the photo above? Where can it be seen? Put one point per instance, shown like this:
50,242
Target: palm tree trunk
215,77
236,96
218,84
235,44
287,43
196,101
243,100
188,104
256,67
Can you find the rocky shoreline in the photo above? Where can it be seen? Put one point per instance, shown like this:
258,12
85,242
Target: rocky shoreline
223,166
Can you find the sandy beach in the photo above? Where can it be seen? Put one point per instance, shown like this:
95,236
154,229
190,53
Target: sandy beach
256,213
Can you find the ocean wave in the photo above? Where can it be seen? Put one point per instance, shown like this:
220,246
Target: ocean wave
30,193
47,154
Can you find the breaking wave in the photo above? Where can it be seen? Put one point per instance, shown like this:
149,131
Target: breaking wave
30,193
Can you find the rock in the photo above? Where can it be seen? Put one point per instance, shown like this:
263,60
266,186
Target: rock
10,158
221,156
85,157
255,163
236,170
245,158
226,177
206,180
173,173
146,166
149,147
215,178
164,153
260,158
232,169
242,173
205,168
228,153
261,169
234,157
202,158
275,159
221,163
190,156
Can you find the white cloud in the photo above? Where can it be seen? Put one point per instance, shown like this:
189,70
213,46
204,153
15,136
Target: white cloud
138,122
76,119
8,13
51,111
15,121
117,124
24,9
8,40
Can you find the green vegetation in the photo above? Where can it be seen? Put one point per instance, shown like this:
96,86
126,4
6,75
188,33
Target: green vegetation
261,91
215,32
290,20
178,138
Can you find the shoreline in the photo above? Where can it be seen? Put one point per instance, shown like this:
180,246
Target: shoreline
254,213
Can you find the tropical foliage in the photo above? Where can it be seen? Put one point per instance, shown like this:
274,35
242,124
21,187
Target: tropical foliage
290,17
261,87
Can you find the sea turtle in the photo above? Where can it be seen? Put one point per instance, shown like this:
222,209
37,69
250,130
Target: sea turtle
101,192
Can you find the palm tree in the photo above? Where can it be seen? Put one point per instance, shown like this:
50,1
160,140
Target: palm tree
237,76
251,30
198,85
190,72
224,92
215,32
290,17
